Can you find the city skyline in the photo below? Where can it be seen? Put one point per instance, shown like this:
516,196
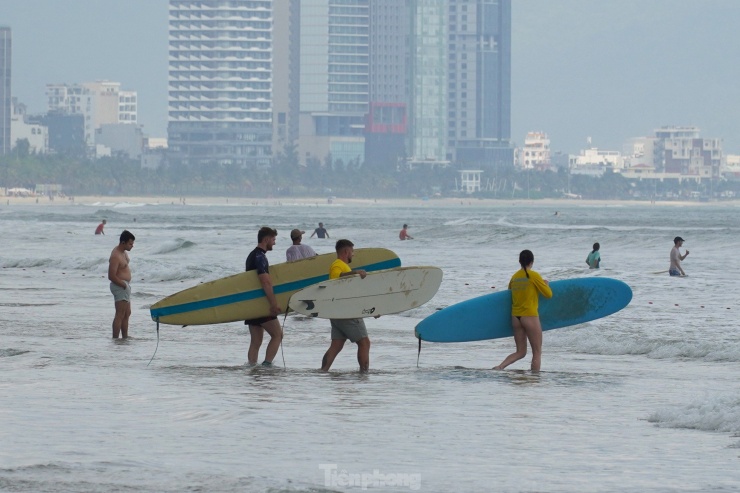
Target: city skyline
610,71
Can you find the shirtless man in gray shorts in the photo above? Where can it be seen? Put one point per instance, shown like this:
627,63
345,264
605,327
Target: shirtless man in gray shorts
119,274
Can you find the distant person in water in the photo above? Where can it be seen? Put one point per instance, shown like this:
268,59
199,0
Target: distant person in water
594,258
404,234
297,251
320,232
526,285
676,257
100,228
351,328
257,260
119,275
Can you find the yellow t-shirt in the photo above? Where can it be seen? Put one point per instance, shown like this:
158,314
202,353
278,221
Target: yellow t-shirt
337,268
524,293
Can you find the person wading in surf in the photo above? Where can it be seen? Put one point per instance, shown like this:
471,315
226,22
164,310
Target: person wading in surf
257,260
352,328
526,285
676,258
594,258
119,275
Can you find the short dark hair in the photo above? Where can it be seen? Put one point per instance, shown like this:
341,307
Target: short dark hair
125,236
264,232
341,244
596,246
405,225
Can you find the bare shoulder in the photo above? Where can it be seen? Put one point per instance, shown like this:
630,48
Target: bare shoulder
116,255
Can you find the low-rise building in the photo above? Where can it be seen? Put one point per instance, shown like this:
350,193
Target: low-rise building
119,139
469,180
595,162
674,152
101,103
731,167
24,128
536,152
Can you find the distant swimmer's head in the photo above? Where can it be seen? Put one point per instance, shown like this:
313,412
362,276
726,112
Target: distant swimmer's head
596,246
526,258
105,222
405,226
296,233
677,240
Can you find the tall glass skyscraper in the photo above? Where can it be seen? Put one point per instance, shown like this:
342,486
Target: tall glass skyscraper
480,81
6,48
220,81
428,81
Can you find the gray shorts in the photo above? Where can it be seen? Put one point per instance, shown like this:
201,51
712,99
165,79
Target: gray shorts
350,328
120,294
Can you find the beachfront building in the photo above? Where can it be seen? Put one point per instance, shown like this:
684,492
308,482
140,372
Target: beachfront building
6,48
731,167
386,124
479,82
22,127
334,75
595,162
681,150
674,152
428,93
220,82
469,181
536,152
100,103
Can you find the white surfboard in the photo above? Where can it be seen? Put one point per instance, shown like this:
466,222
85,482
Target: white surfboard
241,297
380,293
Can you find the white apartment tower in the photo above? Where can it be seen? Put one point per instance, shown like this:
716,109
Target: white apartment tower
220,82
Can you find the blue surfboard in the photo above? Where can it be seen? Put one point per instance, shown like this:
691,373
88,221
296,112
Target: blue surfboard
574,301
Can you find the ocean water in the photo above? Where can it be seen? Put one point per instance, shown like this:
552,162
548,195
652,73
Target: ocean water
645,400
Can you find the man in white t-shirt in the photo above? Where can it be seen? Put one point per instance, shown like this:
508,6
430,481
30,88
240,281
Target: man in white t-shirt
297,251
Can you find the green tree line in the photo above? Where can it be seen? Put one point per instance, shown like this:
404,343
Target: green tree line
286,177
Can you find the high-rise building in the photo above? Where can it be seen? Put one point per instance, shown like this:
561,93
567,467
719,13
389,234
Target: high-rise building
428,45
286,67
386,122
480,81
6,48
334,76
220,82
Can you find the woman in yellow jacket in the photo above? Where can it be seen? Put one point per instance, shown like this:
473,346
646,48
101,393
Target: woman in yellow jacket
526,285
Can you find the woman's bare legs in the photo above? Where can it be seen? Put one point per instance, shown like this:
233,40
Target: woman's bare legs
528,328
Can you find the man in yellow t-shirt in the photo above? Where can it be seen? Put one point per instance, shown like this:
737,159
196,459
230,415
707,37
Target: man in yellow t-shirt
343,329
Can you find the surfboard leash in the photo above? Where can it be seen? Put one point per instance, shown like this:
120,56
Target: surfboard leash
282,353
418,355
157,346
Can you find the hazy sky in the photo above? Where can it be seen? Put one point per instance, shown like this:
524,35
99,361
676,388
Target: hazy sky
608,69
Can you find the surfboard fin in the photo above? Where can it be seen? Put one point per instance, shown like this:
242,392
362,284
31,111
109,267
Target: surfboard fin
309,304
